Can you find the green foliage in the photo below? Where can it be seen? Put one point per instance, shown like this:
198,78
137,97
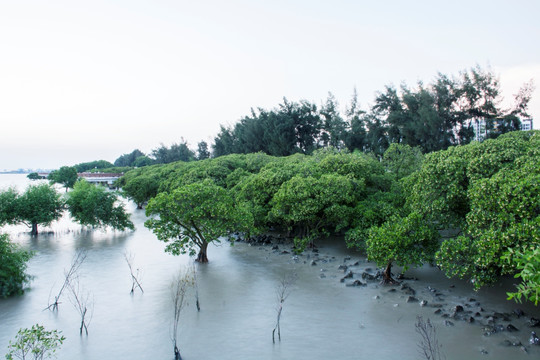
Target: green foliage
527,262
8,206
66,175
35,343
191,216
12,267
503,217
315,206
93,165
38,205
407,241
176,152
34,176
128,160
402,160
141,189
97,207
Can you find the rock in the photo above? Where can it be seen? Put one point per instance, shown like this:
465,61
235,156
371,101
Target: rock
275,247
511,328
534,340
284,252
411,299
438,311
367,276
519,313
448,323
313,263
343,267
322,276
458,308
408,290
376,297
484,352
356,283
346,258
423,303
356,263
470,319
499,328
489,330
534,322
392,290
348,276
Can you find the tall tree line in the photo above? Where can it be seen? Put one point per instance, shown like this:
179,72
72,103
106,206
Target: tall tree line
431,117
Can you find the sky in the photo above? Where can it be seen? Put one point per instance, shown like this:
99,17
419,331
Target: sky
90,80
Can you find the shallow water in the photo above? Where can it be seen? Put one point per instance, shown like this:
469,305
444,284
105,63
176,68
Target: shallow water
322,318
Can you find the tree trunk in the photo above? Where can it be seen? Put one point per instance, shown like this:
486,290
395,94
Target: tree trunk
139,206
387,275
202,258
34,231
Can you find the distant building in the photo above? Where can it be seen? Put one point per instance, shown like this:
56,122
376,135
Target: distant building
481,131
526,124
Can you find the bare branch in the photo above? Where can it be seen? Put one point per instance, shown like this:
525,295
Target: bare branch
135,276
428,346
69,275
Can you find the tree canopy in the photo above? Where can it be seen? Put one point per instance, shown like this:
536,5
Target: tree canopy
13,264
194,215
95,206
66,175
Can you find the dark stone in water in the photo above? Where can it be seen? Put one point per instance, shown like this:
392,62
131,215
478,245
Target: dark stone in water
346,258
367,276
519,313
448,323
285,252
534,340
313,263
392,290
458,308
356,283
470,319
275,247
356,263
484,352
348,276
511,328
411,299
343,267
534,322
423,303
438,311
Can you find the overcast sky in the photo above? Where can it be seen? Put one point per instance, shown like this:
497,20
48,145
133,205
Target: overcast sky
89,80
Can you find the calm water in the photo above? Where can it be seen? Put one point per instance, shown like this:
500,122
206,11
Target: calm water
321,319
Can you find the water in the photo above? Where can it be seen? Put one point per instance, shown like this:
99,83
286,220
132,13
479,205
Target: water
321,318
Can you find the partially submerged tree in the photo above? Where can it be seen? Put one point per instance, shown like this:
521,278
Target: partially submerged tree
405,241
141,189
97,207
194,215
38,205
35,343
12,267
66,175
179,288
282,292
135,275
428,346
82,302
70,275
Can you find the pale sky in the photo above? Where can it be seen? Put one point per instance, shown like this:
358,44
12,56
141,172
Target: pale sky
90,80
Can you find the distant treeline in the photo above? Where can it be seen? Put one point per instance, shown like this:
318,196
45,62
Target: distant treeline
431,117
